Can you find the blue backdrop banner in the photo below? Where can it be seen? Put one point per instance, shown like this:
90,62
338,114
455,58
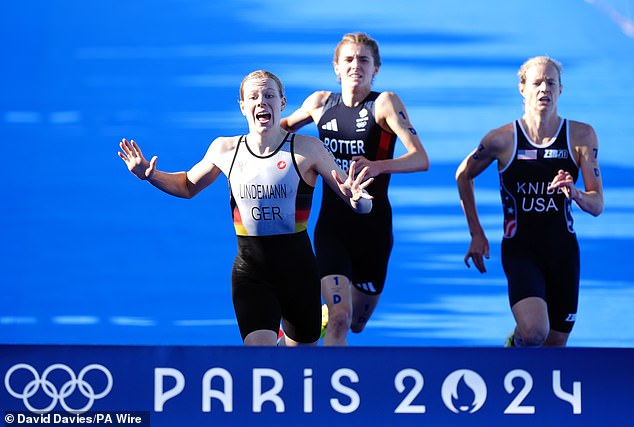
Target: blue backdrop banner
397,386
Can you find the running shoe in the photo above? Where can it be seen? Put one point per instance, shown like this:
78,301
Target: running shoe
510,340
324,320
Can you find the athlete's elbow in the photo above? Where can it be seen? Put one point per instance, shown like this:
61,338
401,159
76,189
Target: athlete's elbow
422,164
189,191
598,210
461,176
595,207
285,125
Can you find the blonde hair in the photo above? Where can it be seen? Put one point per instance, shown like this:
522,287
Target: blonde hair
261,75
539,60
362,39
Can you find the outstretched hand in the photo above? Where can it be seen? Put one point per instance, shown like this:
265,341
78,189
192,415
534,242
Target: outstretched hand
354,186
133,157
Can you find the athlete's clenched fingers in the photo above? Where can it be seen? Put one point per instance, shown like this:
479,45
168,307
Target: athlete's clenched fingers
566,191
560,174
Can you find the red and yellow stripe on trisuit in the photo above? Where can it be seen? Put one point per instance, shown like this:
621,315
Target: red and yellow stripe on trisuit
301,220
303,202
237,222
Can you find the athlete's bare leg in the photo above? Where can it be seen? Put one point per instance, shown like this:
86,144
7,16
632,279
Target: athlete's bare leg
336,291
262,337
533,327
288,342
363,306
265,337
556,339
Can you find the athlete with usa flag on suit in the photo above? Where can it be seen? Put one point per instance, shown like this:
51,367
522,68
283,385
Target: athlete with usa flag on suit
539,157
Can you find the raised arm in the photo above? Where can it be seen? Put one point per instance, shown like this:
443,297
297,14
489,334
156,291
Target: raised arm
310,111
392,116
179,184
585,145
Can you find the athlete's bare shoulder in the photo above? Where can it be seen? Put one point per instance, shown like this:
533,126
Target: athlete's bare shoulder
388,102
498,140
497,144
220,151
312,158
223,144
582,134
316,100
502,135
311,150
386,96
306,145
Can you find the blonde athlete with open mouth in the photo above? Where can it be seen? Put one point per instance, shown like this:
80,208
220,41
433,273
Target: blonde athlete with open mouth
357,125
271,174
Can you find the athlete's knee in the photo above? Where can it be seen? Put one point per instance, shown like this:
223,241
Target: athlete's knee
358,324
339,318
531,336
556,339
357,327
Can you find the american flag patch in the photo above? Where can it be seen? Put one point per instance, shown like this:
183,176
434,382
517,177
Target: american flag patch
526,154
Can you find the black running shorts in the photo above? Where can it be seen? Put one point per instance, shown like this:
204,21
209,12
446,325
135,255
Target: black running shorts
275,278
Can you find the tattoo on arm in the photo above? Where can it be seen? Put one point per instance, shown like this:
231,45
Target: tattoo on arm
402,114
596,152
596,172
476,155
412,131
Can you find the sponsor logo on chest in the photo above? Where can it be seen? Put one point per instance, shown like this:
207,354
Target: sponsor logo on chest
362,120
555,154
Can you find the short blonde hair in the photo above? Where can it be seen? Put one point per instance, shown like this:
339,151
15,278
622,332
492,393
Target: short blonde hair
261,75
539,60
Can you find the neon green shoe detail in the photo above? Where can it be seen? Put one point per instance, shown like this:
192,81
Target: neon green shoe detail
324,320
510,340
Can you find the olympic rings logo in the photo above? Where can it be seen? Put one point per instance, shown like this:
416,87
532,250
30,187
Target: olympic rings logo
75,382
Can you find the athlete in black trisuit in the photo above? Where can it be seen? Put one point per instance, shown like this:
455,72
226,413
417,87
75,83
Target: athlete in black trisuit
362,126
539,158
